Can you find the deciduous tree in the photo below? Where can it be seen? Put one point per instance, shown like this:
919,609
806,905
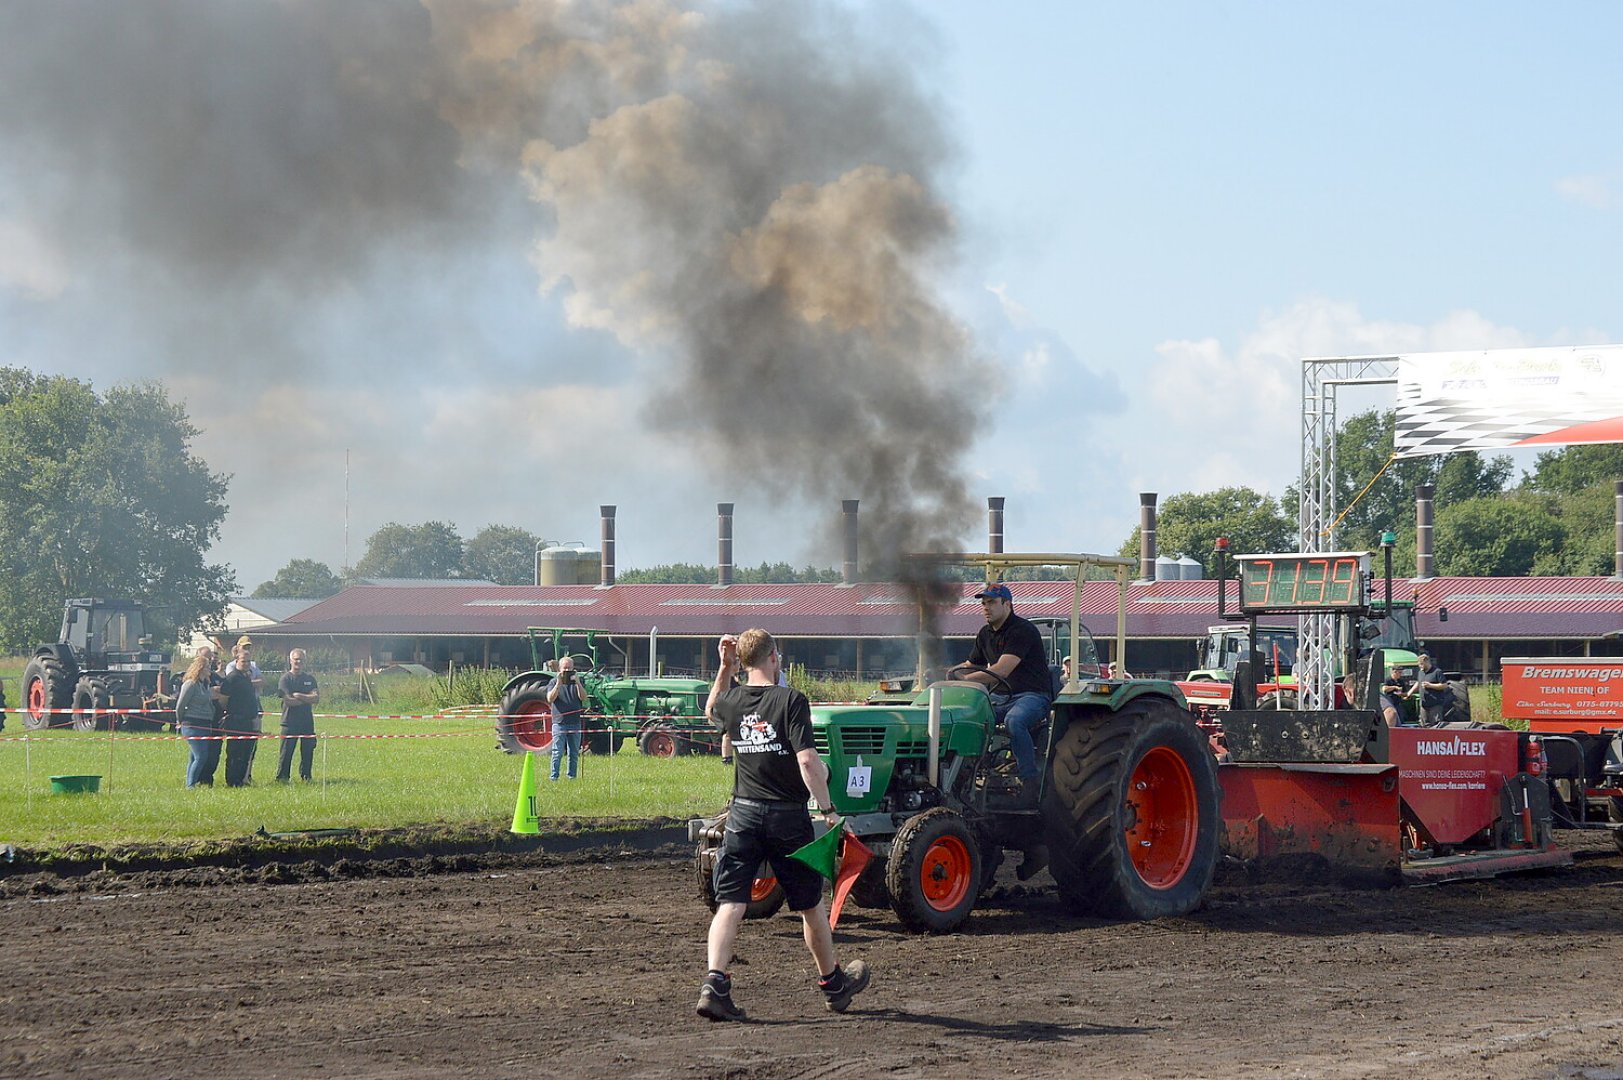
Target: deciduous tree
101,495
430,550
1189,523
504,554
303,579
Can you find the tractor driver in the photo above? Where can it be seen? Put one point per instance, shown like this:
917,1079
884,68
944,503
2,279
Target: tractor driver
1011,647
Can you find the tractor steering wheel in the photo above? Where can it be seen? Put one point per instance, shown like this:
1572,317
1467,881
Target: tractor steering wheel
1002,685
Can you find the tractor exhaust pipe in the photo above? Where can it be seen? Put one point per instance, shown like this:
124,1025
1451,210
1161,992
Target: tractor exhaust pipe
606,575
724,544
1146,536
994,524
1423,561
1617,494
653,652
848,572
935,736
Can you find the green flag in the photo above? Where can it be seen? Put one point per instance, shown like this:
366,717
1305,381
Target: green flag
823,854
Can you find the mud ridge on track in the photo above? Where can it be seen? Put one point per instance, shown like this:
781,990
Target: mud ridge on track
329,855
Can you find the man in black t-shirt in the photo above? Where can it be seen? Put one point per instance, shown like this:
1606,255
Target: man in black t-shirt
299,696
777,771
242,712
1012,648
1436,699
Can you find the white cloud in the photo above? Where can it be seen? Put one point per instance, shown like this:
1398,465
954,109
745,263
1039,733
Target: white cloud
1594,190
1017,313
1210,413
29,262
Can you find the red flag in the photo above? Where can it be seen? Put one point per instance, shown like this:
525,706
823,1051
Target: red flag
854,859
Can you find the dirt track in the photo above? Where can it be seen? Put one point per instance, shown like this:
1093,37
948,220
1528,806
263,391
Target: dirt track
587,964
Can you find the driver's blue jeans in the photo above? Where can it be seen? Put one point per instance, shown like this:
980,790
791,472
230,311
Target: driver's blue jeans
1020,714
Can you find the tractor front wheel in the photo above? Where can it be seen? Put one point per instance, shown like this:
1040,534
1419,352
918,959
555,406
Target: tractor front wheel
525,723
934,871
661,741
91,706
45,688
1131,812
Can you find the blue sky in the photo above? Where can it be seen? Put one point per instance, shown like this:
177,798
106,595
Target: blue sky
1161,209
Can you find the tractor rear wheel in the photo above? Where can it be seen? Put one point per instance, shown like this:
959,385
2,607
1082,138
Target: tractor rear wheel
934,871
766,895
1614,814
1278,699
1131,812
45,687
1459,711
661,741
525,723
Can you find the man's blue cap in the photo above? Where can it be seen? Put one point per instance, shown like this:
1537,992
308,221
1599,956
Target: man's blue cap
999,592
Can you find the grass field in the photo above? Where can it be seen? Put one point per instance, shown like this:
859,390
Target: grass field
455,777
376,782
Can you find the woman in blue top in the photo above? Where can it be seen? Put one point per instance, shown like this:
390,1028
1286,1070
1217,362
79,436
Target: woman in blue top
195,711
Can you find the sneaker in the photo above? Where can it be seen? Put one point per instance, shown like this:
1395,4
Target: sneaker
853,981
715,1004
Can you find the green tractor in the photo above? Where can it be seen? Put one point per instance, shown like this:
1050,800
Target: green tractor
665,716
1127,811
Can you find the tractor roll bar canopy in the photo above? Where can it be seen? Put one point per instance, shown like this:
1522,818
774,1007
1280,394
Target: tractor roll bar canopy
993,566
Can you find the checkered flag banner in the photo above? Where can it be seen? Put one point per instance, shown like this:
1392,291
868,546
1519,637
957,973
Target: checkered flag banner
1491,399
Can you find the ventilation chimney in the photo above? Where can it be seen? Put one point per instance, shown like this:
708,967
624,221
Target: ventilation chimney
724,544
848,572
1422,532
1146,536
606,575
1617,563
994,524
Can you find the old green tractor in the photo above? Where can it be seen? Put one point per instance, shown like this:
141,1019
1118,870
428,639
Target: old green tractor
1127,811
665,716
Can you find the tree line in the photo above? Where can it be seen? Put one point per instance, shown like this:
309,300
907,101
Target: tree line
101,494
1555,520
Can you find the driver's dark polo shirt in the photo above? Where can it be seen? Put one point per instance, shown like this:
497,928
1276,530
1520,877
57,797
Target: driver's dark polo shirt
1020,638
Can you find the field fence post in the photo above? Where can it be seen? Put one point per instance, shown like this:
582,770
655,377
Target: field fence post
28,768
112,729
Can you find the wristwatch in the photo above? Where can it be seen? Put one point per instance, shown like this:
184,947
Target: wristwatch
825,810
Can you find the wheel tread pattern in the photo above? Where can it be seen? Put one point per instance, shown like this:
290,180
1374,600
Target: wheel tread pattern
1087,850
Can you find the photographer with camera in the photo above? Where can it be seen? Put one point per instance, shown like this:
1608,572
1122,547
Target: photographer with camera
567,723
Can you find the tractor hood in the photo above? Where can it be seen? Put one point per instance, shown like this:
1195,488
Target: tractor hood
883,739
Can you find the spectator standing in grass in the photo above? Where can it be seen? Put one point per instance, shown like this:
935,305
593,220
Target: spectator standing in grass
195,712
564,697
242,711
299,696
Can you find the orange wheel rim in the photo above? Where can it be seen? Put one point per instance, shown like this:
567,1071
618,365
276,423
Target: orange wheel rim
532,725
36,698
1163,818
944,876
762,888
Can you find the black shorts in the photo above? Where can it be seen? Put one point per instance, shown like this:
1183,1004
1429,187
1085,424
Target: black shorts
757,834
